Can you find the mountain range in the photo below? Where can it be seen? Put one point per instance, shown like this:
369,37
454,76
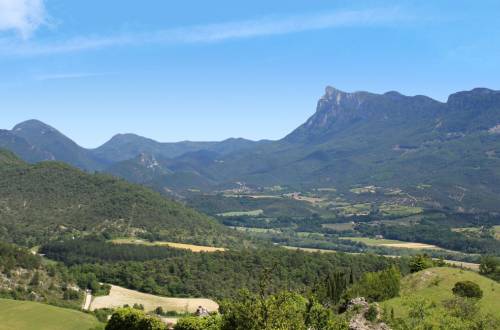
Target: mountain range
447,153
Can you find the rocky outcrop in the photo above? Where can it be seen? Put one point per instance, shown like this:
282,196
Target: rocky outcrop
359,307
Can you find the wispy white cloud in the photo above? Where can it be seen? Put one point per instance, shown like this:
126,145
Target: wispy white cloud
269,26
62,76
22,16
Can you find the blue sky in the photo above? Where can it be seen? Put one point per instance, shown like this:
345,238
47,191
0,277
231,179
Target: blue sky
209,70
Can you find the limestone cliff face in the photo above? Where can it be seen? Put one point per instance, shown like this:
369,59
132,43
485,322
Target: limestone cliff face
337,110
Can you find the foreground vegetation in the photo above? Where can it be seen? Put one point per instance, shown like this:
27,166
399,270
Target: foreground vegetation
330,306
427,300
27,315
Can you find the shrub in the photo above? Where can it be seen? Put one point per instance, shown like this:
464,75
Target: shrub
420,262
71,294
371,313
102,314
133,319
213,322
138,306
467,289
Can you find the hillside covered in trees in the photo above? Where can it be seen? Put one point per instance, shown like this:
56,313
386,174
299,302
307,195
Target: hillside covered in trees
52,200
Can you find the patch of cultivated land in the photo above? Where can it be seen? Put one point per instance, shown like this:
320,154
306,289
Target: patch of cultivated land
119,296
191,247
257,230
339,226
312,200
399,210
392,243
252,213
435,284
28,315
312,250
354,209
462,264
497,232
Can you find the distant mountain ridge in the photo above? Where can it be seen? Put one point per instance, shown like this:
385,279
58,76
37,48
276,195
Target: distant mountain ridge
352,139
35,141
127,146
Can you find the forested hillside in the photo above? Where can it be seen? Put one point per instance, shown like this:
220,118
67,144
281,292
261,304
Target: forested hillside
218,275
50,200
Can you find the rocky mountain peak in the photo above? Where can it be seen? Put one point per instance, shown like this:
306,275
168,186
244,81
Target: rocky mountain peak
337,97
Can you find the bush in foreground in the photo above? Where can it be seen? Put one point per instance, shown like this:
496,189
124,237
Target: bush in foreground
133,319
467,289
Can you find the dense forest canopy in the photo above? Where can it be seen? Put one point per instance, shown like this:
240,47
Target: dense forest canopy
48,200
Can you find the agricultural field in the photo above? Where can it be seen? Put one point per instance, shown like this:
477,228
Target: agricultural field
435,284
364,190
191,247
496,230
119,296
257,230
312,250
468,230
479,231
394,210
462,264
327,189
318,201
391,243
355,209
253,213
345,226
28,315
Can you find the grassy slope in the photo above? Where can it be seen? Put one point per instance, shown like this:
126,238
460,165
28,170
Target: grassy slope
27,315
420,284
43,201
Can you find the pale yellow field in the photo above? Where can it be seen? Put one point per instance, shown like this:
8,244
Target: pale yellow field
264,196
191,247
411,246
308,249
466,265
497,232
119,296
392,243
